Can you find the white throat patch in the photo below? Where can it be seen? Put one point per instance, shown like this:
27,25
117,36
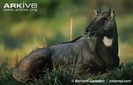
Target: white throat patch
107,41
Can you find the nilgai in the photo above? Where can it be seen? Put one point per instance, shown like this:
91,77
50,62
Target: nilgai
95,51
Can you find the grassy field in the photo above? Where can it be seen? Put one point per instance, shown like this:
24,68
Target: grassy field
64,76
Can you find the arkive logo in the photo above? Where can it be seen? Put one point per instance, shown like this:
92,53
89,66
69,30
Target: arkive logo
23,6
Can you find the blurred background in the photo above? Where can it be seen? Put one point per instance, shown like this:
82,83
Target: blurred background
20,32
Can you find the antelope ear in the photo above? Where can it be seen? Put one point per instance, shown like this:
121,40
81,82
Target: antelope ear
95,12
113,13
100,10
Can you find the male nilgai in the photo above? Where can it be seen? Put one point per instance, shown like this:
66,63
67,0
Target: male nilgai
93,52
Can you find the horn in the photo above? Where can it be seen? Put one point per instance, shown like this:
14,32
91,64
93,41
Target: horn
109,11
100,10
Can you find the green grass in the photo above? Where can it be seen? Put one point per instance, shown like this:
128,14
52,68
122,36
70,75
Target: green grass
64,76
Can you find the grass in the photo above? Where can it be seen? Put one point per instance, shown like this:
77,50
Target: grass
64,76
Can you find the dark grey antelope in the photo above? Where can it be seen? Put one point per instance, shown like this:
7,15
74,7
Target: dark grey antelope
95,51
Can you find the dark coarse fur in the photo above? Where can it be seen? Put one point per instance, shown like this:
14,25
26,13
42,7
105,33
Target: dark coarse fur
87,53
